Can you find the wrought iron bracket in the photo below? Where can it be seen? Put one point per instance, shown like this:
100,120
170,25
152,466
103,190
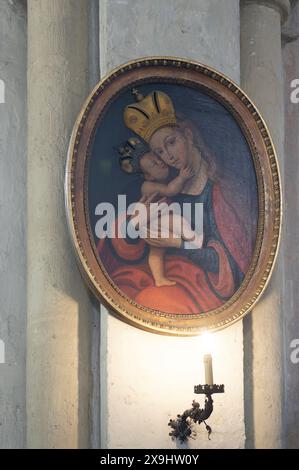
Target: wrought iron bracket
182,426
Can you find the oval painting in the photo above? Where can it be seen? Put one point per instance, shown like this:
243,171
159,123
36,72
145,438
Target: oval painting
173,196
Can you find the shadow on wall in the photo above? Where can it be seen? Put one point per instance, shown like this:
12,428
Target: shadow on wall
248,381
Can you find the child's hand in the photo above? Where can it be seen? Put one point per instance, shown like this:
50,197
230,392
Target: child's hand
187,172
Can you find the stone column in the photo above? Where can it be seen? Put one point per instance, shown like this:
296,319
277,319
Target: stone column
12,222
262,79
58,372
147,379
291,221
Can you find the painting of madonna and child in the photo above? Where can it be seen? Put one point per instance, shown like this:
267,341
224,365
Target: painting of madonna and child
172,198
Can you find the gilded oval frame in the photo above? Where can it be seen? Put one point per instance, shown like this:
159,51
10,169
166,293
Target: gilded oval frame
245,112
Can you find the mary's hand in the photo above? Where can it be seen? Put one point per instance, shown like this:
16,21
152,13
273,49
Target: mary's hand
154,232
169,242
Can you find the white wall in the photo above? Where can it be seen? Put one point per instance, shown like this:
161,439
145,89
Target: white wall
12,222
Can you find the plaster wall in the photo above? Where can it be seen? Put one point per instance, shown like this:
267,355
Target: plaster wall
13,154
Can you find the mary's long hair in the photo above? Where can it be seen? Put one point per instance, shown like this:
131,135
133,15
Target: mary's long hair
198,141
225,181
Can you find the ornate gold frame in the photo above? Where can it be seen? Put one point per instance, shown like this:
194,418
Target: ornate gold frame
175,70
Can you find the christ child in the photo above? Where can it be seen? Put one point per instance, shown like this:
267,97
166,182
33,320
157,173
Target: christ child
157,184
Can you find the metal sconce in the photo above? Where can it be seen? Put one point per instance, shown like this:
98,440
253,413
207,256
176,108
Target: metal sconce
182,426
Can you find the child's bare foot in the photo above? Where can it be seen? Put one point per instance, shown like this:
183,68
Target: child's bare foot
163,281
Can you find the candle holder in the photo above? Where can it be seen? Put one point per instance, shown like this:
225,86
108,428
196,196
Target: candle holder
182,426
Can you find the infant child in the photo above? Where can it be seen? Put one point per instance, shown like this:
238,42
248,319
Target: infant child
156,182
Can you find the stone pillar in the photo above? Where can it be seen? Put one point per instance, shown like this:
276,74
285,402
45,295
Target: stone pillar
95,400
291,221
12,222
58,344
147,379
262,79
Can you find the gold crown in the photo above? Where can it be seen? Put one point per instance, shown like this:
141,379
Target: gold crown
149,114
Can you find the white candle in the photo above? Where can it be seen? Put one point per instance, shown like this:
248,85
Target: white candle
207,359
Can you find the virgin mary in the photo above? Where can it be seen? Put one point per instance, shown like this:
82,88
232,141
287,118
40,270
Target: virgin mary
207,277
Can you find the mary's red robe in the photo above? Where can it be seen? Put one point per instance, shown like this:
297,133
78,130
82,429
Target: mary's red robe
196,290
